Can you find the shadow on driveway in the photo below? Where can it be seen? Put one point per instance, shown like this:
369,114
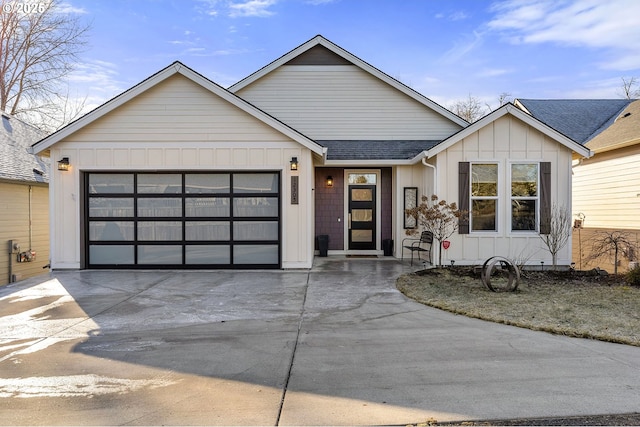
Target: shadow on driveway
334,345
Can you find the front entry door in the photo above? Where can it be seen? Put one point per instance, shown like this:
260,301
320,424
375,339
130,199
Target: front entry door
362,217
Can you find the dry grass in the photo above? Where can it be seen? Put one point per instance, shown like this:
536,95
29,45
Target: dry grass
603,308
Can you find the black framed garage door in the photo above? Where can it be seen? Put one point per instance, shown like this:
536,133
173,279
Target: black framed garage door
182,220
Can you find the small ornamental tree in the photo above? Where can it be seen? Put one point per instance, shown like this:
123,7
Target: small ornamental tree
611,243
558,226
436,216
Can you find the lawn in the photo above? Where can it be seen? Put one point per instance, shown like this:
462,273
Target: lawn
602,308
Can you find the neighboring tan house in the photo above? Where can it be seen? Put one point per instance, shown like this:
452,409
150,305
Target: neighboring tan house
606,193
178,172
24,202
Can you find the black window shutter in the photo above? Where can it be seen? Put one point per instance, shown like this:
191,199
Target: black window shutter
545,197
463,197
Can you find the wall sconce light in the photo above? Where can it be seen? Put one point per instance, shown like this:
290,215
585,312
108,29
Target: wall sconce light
329,181
294,163
63,164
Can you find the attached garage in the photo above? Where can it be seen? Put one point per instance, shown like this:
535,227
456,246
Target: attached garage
183,220
178,172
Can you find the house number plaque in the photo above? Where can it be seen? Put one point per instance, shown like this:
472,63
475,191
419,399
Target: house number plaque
294,190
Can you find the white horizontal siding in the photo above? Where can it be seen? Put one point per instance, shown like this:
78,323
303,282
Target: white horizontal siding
14,225
344,102
607,190
177,109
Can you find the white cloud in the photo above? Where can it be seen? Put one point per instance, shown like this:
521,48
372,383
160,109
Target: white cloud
463,47
453,16
611,25
208,7
319,2
66,7
251,8
97,75
458,16
494,72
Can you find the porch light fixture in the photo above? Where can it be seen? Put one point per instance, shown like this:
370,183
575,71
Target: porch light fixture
63,164
294,163
329,181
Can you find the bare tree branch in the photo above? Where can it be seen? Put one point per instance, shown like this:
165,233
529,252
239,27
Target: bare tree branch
611,243
630,88
38,49
470,109
559,226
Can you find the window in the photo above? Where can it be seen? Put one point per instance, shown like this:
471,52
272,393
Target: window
484,196
524,197
528,202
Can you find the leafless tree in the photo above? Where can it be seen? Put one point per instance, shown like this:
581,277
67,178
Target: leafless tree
438,217
559,227
504,98
630,88
39,46
470,109
608,243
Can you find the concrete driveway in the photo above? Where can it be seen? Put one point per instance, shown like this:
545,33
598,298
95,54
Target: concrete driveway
336,345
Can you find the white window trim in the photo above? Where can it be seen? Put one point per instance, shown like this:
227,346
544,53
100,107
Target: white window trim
497,197
511,198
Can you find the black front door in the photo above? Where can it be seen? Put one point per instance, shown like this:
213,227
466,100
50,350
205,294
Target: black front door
362,217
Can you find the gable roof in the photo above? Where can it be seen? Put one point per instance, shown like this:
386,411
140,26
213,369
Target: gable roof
579,119
173,69
511,109
309,53
18,163
622,131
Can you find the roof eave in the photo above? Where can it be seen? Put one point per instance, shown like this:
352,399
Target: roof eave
373,162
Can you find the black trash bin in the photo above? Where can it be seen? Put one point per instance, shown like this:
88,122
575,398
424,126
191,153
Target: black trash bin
387,247
323,244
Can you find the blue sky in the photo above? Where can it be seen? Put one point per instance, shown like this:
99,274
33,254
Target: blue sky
445,49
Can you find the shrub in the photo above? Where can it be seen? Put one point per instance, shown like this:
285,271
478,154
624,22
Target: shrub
633,276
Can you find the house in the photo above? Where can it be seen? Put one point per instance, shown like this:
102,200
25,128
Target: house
605,194
178,172
24,202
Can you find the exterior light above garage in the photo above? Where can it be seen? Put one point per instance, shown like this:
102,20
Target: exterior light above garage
294,163
63,164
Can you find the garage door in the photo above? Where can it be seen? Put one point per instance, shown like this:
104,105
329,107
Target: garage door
183,220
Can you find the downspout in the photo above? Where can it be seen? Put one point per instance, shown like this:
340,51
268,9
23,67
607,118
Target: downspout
435,176
30,218
435,190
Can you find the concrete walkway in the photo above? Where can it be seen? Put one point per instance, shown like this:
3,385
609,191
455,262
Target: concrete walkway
337,345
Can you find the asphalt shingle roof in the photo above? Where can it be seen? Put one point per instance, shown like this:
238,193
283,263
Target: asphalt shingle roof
579,119
17,163
625,130
375,149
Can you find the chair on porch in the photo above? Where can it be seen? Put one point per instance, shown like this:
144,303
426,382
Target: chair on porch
421,245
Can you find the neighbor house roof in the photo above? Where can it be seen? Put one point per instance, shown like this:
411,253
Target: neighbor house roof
173,69
496,114
622,131
349,58
18,163
579,119
374,149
